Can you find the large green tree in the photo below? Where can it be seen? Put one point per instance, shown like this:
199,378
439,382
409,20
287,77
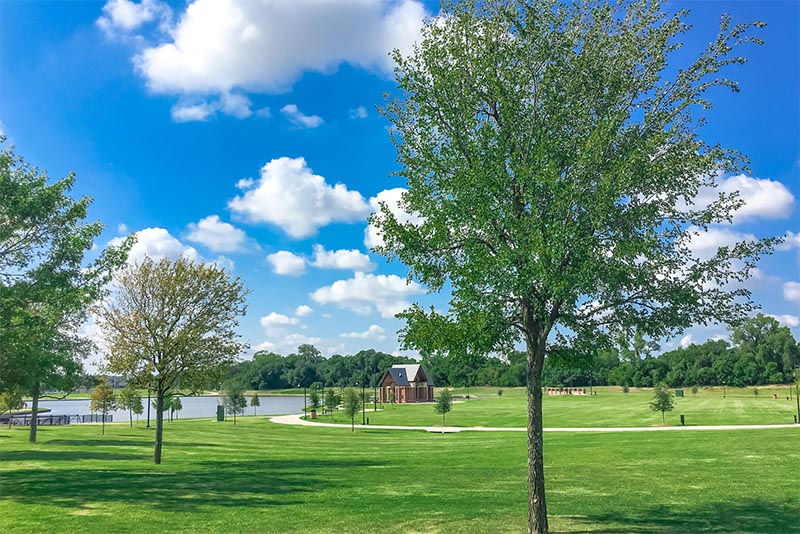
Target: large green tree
551,159
768,347
46,286
170,324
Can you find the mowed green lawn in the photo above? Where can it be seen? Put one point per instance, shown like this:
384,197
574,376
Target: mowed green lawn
264,477
609,408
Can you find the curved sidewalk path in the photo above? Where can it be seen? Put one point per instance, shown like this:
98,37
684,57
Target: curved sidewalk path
295,419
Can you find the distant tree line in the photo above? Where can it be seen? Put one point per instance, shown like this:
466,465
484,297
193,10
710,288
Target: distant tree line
761,352
307,367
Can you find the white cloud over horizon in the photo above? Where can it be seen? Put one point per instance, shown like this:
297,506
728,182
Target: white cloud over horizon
364,293
375,332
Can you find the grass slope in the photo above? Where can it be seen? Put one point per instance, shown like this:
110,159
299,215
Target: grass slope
262,477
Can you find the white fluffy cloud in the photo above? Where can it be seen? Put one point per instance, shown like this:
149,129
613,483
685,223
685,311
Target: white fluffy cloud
303,310
193,109
290,196
341,259
217,235
266,46
764,198
373,332
791,291
786,320
158,243
125,15
390,197
705,244
185,112
687,340
274,320
284,262
365,292
299,119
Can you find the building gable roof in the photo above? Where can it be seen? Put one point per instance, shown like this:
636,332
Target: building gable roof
410,373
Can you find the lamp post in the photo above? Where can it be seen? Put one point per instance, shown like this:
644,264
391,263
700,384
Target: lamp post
304,400
724,396
375,398
363,406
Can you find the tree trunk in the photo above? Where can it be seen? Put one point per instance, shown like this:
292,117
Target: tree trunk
103,415
34,412
130,415
536,340
159,426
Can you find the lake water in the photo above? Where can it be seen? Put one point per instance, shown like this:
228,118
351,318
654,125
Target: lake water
193,407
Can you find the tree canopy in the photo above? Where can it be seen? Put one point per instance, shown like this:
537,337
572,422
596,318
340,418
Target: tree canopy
46,286
552,161
172,323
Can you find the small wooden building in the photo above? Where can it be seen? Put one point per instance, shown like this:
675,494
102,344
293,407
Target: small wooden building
408,383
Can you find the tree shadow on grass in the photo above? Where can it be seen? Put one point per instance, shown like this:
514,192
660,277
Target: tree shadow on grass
206,484
39,455
748,516
121,443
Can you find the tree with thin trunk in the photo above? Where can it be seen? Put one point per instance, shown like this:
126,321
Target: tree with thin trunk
103,399
255,402
129,399
663,401
443,403
351,403
552,161
177,405
314,400
172,323
235,402
331,401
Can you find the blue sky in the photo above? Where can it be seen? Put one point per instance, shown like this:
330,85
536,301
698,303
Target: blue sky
208,127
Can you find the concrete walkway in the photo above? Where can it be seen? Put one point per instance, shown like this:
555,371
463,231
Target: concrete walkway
295,419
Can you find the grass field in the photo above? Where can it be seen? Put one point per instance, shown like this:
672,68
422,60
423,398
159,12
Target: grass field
609,408
262,477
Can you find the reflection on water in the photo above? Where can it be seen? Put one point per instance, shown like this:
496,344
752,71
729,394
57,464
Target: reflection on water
193,407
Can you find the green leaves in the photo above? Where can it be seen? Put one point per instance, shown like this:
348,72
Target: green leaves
552,163
46,286
173,322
